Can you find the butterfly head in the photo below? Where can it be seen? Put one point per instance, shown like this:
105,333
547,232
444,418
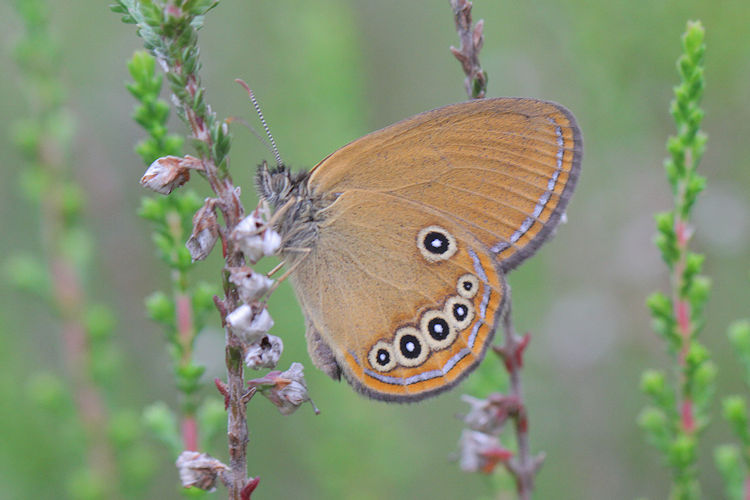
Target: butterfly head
278,185
298,212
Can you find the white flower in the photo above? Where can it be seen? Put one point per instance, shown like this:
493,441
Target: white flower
255,238
248,325
271,241
251,286
265,353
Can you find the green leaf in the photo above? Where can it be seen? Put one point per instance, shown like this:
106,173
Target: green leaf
124,429
729,463
693,38
734,411
161,308
656,426
152,209
161,421
27,273
100,322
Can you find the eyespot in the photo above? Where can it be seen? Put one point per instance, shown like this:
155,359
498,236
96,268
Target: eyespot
410,347
468,286
436,244
460,312
438,329
381,357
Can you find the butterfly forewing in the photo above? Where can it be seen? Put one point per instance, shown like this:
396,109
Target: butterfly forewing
505,167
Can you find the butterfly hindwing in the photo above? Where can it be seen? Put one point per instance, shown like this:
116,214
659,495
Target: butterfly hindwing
401,321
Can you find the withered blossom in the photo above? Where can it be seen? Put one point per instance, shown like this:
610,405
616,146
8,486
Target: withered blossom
249,324
169,172
199,470
264,353
205,231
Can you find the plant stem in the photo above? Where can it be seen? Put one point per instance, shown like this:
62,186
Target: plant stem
233,212
523,466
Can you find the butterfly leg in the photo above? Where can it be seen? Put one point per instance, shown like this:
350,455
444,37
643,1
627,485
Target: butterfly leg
321,353
289,271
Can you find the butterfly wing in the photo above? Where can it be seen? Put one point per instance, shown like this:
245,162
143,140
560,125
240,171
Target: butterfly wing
403,288
505,167
399,326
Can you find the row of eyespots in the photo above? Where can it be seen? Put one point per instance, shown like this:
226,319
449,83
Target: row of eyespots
437,330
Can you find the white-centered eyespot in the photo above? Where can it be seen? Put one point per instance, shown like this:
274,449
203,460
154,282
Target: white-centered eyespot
436,244
410,347
468,286
381,357
438,329
460,312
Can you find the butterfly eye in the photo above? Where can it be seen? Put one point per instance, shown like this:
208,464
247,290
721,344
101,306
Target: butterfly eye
410,347
438,329
436,244
468,286
460,311
381,357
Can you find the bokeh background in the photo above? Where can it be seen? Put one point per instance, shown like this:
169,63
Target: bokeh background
327,72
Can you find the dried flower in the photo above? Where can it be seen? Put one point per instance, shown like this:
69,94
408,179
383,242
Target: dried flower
255,238
251,286
486,415
199,470
286,390
248,324
205,231
265,353
481,452
169,172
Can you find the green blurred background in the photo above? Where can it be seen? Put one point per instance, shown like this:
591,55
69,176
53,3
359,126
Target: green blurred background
329,71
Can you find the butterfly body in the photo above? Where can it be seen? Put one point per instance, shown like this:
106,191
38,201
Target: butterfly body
399,242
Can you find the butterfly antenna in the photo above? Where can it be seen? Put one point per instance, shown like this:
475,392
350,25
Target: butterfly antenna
274,149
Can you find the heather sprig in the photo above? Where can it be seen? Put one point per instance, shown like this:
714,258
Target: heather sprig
679,408
169,31
101,436
182,312
733,460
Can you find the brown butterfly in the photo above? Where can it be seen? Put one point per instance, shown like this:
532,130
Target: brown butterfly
400,241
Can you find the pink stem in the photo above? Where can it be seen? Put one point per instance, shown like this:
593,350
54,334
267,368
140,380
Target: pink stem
523,466
189,433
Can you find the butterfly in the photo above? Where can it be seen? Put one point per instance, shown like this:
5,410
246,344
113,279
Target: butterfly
399,242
